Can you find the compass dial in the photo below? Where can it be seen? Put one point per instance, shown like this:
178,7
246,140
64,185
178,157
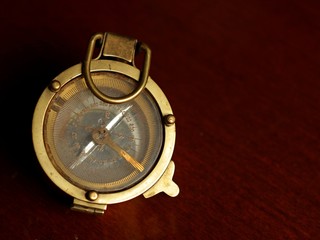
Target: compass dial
101,146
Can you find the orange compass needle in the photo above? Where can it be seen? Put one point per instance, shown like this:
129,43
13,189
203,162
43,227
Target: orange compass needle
131,160
107,140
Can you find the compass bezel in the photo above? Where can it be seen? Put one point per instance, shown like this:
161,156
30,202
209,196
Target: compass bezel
60,180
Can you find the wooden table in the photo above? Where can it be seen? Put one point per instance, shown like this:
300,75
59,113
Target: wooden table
243,79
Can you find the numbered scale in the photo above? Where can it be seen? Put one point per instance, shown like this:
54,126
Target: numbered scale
103,130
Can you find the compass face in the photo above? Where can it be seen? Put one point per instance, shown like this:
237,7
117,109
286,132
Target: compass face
101,146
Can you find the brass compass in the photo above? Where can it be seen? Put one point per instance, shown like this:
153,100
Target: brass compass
103,131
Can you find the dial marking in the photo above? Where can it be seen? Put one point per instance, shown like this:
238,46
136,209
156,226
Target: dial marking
57,104
84,154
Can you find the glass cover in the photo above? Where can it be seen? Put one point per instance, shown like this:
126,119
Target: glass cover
101,146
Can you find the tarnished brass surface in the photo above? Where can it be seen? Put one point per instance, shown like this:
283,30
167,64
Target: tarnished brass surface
73,190
102,136
120,47
160,176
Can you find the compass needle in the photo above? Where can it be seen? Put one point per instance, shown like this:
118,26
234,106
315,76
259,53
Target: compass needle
84,154
91,145
117,118
102,136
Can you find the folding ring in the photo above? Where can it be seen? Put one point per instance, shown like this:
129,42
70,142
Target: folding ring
144,74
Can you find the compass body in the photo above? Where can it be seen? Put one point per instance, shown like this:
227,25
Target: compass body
102,152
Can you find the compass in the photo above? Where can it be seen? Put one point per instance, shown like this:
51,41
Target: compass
103,130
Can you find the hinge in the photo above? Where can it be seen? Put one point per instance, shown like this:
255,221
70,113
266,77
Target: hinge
94,208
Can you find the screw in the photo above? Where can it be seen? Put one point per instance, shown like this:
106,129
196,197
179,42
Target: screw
169,119
92,195
54,86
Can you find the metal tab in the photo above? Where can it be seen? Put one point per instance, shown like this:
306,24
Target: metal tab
165,184
120,47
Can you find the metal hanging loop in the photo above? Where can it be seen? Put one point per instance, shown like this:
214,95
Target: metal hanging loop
144,73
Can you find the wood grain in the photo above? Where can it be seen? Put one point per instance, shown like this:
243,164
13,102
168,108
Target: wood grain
243,81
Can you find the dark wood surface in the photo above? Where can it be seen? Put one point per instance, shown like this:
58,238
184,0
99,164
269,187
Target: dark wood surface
243,79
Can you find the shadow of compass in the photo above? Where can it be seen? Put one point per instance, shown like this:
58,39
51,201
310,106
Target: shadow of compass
25,72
